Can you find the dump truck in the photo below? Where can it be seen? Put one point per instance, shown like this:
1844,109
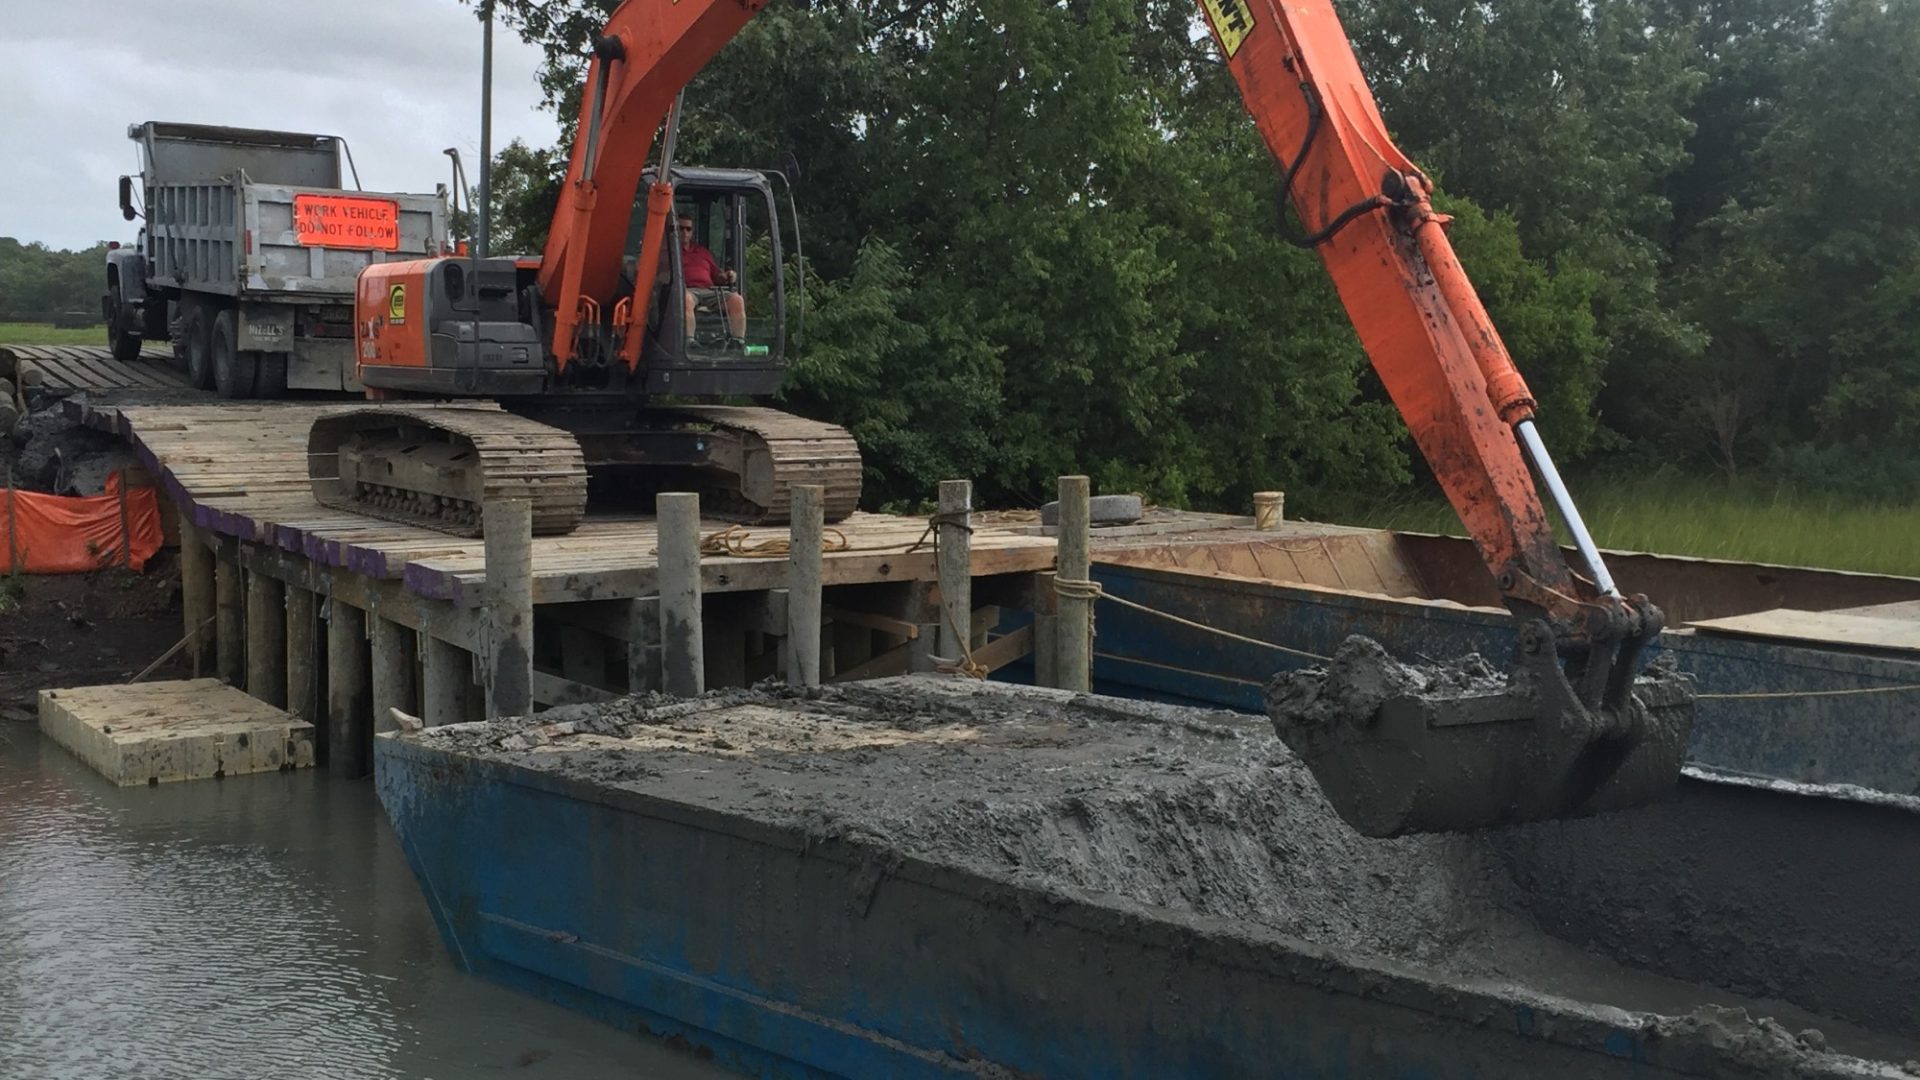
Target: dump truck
249,254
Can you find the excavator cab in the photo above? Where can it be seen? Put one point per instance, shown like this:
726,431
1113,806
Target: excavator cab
717,324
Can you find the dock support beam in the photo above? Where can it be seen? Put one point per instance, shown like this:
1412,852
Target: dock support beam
804,564
392,646
349,691
266,639
954,533
1075,658
1046,631
447,672
682,642
230,625
508,527
643,644
303,654
196,595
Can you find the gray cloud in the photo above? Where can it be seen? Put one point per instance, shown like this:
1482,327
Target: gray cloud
400,79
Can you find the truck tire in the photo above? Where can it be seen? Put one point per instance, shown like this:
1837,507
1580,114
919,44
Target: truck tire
272,381
120,337
234,372
196,331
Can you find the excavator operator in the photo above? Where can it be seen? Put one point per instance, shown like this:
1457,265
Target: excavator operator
703,278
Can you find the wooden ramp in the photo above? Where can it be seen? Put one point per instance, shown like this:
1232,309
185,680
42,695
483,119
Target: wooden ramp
195,729
88,367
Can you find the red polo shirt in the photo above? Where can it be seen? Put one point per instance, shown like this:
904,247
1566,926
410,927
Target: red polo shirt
697,267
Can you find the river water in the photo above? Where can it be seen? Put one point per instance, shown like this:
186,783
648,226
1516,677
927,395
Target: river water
260,926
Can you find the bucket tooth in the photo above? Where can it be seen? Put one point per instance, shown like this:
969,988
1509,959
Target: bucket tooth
1400,749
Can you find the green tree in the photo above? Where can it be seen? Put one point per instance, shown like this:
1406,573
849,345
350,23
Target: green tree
1810,277
39,282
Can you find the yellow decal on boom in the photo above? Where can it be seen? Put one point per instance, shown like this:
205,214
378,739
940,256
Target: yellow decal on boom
397,305
1232,21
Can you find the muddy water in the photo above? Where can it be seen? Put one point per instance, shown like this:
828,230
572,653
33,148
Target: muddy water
258,926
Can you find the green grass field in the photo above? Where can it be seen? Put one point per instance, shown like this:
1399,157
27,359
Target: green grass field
1711,520
20,333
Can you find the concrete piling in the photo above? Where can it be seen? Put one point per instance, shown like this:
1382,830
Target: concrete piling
1074,661
392,669
805,560
303,654
196,595
266,639
349,691
683,665
446,673
508,528
230,611
955,534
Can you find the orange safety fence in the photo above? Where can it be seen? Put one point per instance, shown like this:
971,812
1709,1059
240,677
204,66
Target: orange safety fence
60,534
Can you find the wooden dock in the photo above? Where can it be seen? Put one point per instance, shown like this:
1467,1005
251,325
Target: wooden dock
87,367
195,729
343,617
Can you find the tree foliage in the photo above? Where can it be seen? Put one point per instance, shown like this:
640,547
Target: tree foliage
38,282
1040,237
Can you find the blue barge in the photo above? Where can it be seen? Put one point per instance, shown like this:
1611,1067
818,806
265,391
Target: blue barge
923,877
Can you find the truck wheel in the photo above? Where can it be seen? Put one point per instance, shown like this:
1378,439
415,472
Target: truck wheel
272,381
199,350
120,337
234,372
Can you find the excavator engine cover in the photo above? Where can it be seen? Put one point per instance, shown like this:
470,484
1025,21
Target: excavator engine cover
1399,748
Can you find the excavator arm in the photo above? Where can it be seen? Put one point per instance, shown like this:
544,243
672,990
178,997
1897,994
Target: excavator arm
1576,728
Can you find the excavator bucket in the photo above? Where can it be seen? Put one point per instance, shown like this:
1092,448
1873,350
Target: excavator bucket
1399,748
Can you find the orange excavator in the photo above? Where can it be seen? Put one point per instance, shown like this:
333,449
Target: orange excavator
584,346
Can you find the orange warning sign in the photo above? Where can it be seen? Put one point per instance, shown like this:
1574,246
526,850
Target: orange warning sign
346,221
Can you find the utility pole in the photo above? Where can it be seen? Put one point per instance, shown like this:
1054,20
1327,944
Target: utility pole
486,130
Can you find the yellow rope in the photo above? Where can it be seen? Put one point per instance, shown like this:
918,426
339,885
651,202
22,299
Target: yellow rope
1092,590
736,541
1781,694
966,665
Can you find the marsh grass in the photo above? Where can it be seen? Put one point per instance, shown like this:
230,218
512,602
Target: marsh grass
1708,519
19,333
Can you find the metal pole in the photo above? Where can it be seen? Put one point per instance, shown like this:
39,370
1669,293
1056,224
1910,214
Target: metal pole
484,229
1537,451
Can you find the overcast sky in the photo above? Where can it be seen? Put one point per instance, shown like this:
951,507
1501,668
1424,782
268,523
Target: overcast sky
399,79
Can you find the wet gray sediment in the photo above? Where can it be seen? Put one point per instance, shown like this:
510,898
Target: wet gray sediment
1432,747
1206,818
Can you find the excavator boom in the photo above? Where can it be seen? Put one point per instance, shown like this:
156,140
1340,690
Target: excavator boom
1575,728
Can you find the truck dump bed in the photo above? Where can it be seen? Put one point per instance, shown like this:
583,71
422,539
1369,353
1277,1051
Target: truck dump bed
263,214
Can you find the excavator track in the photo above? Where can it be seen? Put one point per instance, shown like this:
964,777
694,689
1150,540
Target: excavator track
780,450
437,467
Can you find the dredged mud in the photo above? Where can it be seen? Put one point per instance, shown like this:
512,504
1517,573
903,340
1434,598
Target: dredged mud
1197,816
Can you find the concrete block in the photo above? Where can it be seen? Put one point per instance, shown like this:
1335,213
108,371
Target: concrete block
191,729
